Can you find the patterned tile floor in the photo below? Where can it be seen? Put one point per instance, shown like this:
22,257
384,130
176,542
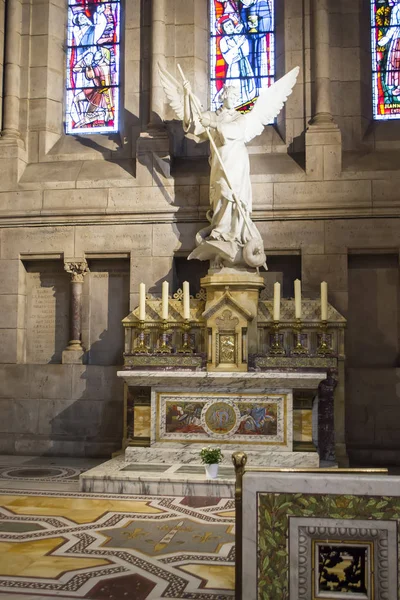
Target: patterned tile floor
56,542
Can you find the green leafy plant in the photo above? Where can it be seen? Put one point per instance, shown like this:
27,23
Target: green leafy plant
211,455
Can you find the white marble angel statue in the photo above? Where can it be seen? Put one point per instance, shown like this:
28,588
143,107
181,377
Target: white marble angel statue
231,238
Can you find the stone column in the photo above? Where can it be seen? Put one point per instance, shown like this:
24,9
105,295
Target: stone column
74,352
320,33
323,137
152,150
12,70
158,43
2,41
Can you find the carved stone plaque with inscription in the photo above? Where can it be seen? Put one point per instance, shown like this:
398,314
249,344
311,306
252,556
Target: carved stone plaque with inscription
47,312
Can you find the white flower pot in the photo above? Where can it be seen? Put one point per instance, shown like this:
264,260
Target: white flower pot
212,471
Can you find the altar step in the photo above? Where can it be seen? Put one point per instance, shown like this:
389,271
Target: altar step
257,456
178,472
152,479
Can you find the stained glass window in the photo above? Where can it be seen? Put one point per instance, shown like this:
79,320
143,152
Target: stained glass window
242,49
92,102
385,42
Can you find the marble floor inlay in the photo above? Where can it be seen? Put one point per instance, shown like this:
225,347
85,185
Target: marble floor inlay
57,544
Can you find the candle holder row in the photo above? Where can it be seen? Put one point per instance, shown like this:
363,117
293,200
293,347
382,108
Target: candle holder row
276,346
164,346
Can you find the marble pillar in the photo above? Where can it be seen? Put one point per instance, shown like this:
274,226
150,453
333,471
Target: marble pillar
74,352
323,137
326,416
12,70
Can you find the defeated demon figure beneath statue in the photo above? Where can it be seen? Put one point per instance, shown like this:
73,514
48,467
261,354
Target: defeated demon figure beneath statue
231,239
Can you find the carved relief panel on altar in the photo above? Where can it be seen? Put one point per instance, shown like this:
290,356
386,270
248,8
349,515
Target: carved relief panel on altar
223,417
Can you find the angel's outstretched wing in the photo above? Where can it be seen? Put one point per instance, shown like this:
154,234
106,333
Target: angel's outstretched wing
269,104
173,90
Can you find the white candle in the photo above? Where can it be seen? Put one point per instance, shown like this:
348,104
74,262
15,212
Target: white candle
277,301
165,287
297,298
186,300
142,302
324,301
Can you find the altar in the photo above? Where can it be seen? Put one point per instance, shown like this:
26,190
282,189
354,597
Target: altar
219,369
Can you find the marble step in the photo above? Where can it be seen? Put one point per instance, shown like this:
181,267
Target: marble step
167,479
179,472
189,454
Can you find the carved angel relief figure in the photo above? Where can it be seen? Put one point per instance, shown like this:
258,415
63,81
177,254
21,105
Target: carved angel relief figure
231,238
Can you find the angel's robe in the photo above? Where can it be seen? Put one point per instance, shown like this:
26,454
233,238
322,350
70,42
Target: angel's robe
227,130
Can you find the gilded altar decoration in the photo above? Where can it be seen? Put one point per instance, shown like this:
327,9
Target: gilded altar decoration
227,348
220,418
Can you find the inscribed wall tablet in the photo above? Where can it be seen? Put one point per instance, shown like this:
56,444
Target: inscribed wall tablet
47,312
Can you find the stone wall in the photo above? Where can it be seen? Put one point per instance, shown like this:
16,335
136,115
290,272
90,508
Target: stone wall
323,194
61,410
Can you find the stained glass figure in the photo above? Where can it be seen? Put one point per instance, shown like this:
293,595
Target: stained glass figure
385,43
242,49
92,102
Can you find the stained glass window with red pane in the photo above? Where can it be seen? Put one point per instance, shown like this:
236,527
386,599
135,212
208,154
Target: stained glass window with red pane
242,49
385,44
93,78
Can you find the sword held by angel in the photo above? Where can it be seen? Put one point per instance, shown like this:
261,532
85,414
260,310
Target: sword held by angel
231,239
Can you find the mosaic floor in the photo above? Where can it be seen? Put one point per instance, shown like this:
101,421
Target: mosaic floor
66,544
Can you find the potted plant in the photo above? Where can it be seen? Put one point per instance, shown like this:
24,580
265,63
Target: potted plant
211,456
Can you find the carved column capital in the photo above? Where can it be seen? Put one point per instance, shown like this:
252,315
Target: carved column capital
77,268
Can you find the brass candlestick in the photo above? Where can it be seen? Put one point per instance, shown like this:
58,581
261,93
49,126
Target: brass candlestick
276,346
141,347
164,347
298,349
323,347
185,348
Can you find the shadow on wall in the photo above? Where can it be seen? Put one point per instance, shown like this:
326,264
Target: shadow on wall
372,352
92,422
92,418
